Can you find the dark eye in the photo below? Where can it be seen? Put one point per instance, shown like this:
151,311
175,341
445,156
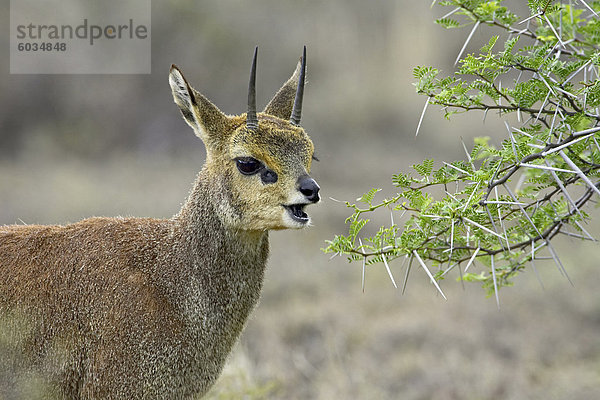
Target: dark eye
248,165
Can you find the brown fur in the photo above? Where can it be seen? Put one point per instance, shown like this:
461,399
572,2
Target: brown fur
131,308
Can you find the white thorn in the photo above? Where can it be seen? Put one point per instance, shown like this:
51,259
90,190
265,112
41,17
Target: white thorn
422,115
364,267
472,259
429,274
482,227
387,267
495,283
579,172
466,42
533,264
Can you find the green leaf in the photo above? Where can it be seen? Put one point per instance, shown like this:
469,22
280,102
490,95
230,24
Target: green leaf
367,198
447,23
402,180
421,72
356,226
425,168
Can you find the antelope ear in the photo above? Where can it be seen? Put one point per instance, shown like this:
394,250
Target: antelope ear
207,121
282,103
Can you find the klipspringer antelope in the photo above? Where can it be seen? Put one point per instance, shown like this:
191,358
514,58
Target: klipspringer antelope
132,308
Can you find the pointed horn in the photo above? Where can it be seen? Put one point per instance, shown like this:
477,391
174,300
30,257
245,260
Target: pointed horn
297,110
251,118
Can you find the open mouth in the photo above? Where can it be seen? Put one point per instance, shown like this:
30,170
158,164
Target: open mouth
297,212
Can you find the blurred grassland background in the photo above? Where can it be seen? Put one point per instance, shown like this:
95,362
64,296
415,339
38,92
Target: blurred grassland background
73,146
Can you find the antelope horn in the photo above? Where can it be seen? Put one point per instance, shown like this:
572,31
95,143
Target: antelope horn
251,118
297,110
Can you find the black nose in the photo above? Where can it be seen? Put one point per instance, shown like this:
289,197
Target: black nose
309,188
